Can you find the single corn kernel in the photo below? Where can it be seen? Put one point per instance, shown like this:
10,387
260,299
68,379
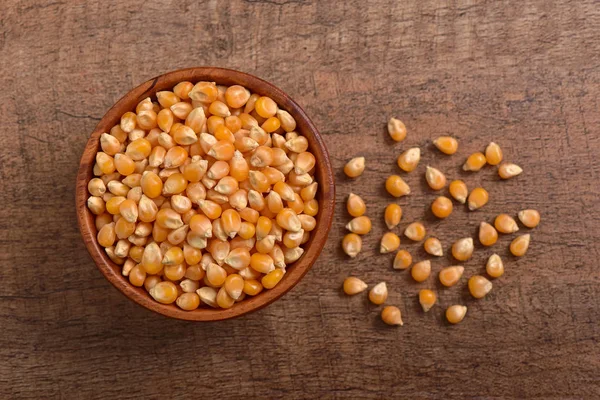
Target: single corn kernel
137,276
421,271
271,124
96,187
128,121
236,96
458,190
138,149
519,246
360,225
478,198
274,202
427,299
308,223
396,186
529,218
450,276
456,313
262,263
151,184
403,260
304,163
96,205
103,219
152,259
353,285
494,266
107,236
208,296
271,280
355,205
173,256
288,220
288,123
105,162
252,287
168,218
462,249
194,272
355,167
433,246
278,257
174,272
113,204
238,258
109,144
435,178
474,162
263,227
479,286
129,210
164,119
216,275
393,215
311,207
164,292
234,285
504,223
188,301
182,89
151,281
222,150
493,154
389,242
415,231
223,299
487,234
265,245
409,160
391,315
292,255
446,144
396,129
378,294
211,209
508,170
352,244
442,207
265,107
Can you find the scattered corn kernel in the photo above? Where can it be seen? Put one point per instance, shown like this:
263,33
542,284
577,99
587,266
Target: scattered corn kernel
393,215
504,223
415,231
508,170
458,190
352,244
433,246
478,198
446,144
378,293
396,129
519,246
389,242
456,313
450,276
494,266
479,286
420,271
391,315
396,186
360,225
403,260
435,178
529,218
493,154
487,234
474,162
427,299
353,285
442,207
462,249
409,160
355,167
355,205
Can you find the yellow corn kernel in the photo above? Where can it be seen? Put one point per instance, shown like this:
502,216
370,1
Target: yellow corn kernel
352,244
446,144
191,255
195,272
415,231
504,223
427,299
519,246
263,227
355,167
222,150
152,259
119,133
494,266
435,178
238,258
147,209
234,285
450,276
478,198
168,218
479,286
396,186
458,190
175,157
487,234
396,129
137,276
215,274
250,215
252,287
205,92
403,260
493,154
124,164
360,225
442,207
138,149
288,220
96,187
274,202
105,162
284,190
128,121
174,272
183,89
151,184
353,285
144,105
188,301
114,203
271,124
389,242
508,170
297,204
151,281
173,256
308,223
288,123
355,205
304,163
409,160
529,218
265,107
270,280
421,271
393,215
208,296
456,313
462,249
159,234
129,210
164,119
391,315
164,292
103,219
378,294
107,236
167,98
262,263
211,209
109,144
292,255
117,188
433,246
96,205
309,192
311,207
474,162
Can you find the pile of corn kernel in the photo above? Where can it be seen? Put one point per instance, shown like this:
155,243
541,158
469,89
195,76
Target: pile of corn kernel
205,195
462,250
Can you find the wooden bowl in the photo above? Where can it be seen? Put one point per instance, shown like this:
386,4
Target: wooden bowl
325,193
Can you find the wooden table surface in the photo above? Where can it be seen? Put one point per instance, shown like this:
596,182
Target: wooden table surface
524,74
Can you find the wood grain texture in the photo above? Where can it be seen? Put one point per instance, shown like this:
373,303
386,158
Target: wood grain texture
524,74
304,126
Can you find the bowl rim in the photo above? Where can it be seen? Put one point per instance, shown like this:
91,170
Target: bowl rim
325,194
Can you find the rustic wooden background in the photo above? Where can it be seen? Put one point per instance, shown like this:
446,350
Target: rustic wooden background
525,74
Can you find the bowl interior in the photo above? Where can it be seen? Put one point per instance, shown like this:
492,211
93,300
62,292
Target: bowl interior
324,176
